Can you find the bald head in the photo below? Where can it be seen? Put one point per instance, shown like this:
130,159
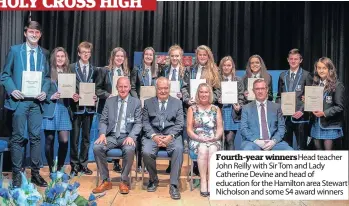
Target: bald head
123,86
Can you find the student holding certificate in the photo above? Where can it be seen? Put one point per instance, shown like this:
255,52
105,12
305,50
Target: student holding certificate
57,111
327,124
231,112
256,68
26,59
106,80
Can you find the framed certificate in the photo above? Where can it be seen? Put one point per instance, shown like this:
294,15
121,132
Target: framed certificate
86,93
67,85
229,92
31,83
288,103
313,98
194,84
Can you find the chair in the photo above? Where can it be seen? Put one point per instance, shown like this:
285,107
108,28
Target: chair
162,155
117,154
3,148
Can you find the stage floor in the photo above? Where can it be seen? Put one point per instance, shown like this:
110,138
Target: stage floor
140,197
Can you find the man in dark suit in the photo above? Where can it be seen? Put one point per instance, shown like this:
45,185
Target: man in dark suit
83,116
262,123
163,125
29,57
119,127
294,80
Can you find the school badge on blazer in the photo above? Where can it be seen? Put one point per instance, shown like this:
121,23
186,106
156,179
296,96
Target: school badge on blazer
328,99
298,88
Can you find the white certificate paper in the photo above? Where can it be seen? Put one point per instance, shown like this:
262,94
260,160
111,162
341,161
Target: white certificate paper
313,98
175,88
229,92
86,93
288,103
194,84
251,95
67,85
31,83
114,89
146,92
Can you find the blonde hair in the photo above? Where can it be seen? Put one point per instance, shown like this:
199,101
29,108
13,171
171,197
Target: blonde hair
209,90
124,64
225,59
211,74
86,45
181,66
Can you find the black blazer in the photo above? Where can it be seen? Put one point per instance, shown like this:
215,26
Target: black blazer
302,79
270,86
333,102
137,81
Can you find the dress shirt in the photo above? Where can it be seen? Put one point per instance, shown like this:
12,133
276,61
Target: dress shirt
259,117
116,71
123,122
171,73
35,57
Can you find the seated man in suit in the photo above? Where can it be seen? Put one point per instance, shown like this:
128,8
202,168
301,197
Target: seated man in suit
267,115
163,125
119,126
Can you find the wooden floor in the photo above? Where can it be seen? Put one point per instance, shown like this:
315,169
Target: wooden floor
140,197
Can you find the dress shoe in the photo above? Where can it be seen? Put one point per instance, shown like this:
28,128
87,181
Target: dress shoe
73,173
117,167
106,185
86,171
123,188
174,192
152,186
204,194
38,180
16,180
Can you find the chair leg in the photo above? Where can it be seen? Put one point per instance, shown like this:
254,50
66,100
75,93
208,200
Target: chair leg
1,161
136,166
97,182
191,174
188,165
142,172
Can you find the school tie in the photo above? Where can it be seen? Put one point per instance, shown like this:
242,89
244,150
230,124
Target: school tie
32,61
174,73
291,82
146,78
119,72
84,73
321,84
118,126
264,126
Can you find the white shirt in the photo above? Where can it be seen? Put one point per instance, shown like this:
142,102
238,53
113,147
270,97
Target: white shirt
258,75
198,73
227,77
259,117
160,105
295,73
82,68
324,82
123,117
35,57
116,71
171,73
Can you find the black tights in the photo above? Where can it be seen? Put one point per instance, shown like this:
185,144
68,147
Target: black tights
328,144
62,150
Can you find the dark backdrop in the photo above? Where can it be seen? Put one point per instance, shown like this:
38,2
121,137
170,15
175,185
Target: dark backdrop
239,29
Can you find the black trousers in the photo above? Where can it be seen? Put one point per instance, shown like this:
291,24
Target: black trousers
300,130
83,121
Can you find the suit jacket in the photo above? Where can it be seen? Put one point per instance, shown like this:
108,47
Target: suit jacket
16,63
270,86
110,114
302,79
137,80
92,76
173,123
334,104
250,123
190,73
104,83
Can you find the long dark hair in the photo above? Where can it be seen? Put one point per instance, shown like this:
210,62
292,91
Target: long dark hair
263,71
53,63
331,78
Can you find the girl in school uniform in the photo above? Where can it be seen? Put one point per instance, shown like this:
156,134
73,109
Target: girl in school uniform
57,112
118,66
231,112
255,68
327,124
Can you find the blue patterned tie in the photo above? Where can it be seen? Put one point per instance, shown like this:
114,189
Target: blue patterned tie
291,82
146,78
264,126
119,72
84,73
32,61
174,74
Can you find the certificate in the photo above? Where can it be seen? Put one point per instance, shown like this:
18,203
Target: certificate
251,95
194,84
31,83
147,92
229,92
115,81
87,91
175,88
288,103
67,85
313,98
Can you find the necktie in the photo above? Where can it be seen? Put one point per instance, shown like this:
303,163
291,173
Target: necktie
163,114
119,72
118,126
226,79
322,84
163,105
32,61
84,73
255,76
291,82
265,134
146,78
174,72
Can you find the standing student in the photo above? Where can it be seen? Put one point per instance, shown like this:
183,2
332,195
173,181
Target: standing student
118,66
294,80
327,124
256,68
231,112
83,115
57,112
28,56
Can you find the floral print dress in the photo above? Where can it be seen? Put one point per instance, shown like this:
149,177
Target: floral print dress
205,125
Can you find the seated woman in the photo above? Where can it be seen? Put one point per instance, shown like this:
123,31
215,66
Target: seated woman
205,129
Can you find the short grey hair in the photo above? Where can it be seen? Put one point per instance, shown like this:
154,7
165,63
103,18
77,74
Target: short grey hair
162,79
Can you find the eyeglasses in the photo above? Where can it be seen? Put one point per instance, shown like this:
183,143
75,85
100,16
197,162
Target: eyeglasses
85,52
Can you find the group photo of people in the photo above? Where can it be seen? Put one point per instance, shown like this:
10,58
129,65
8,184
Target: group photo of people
184,111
